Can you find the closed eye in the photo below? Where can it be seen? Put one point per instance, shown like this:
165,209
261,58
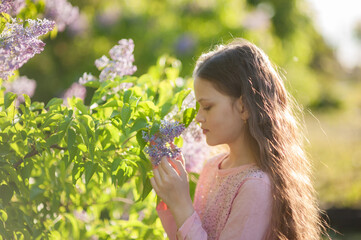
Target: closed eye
206,108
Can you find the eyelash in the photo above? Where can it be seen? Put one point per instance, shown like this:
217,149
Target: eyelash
206,108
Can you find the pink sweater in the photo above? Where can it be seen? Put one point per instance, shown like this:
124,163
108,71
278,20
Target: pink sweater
233,203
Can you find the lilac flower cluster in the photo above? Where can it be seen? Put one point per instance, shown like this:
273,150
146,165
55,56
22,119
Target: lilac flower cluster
87,77
21,85
75,90
12,7
18,43
161,143
121,62
62,12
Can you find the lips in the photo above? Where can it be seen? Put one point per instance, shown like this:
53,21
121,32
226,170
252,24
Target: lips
205,131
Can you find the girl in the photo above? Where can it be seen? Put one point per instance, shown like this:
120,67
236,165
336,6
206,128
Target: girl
261,188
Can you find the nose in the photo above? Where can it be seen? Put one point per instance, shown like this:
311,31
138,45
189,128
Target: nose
199,117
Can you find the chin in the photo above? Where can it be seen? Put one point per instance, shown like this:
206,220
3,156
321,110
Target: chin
212,143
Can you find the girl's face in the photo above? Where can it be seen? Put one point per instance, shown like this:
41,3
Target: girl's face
221,120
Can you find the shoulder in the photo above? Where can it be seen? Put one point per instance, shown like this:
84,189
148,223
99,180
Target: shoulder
257,176
257,185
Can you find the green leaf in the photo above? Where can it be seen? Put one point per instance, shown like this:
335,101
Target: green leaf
54,102
73,151
188,116
92,84
83,131
147,188
71,137
115,164
155,128
15,147
74,225
115,113
138,124
148,108
3,216
82,147
127,95
27,100
140,140
6,193
35,191
180,96
80,105
77,171
88,122
54,139
9,99
90,168
112,103
125,114
165,109
53,117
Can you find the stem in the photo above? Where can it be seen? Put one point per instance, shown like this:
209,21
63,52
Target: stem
126,140
33,153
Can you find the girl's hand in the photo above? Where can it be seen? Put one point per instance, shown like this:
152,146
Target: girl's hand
170,182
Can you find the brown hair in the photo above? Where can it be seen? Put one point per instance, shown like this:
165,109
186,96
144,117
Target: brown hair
242,69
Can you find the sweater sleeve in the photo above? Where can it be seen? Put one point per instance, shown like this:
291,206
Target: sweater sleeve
191,228
167,220
250,213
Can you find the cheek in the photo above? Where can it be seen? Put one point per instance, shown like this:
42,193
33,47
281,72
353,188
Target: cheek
228,122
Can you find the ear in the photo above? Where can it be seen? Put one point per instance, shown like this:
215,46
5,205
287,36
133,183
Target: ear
242,109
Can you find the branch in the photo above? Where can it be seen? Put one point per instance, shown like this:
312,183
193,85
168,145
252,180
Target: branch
33,153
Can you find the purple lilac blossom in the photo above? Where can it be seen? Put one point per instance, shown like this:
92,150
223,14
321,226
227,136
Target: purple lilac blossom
12,7
75,90
62,12
123,86
6,6
21,85
18,43
121,62
87,77
161,143
195,149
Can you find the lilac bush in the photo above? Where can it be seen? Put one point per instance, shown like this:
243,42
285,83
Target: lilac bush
161,143
18,43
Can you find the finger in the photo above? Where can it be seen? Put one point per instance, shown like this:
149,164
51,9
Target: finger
157,177
154,184
165,165
180,157
181,169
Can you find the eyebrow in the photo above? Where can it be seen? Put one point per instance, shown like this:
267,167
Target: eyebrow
202,99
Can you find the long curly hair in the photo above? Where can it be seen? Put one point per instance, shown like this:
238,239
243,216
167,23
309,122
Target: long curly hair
241,69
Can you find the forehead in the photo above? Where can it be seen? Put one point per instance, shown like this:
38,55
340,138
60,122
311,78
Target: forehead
204,89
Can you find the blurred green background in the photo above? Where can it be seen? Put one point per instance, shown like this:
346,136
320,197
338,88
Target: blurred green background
284,29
